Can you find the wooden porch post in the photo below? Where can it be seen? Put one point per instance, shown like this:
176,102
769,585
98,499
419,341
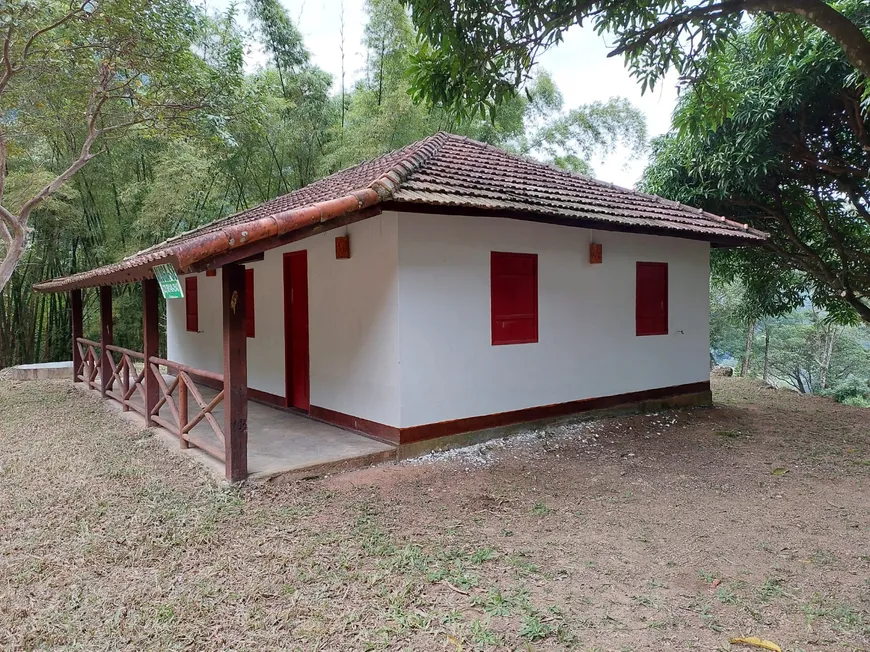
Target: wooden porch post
150,344
235,373
75,298
106,329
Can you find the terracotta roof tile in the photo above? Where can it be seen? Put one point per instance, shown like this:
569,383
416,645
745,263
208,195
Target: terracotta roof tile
442,170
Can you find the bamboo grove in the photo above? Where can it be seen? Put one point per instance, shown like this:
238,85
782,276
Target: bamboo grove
256,131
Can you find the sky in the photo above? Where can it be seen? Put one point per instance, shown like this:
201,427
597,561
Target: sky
579,66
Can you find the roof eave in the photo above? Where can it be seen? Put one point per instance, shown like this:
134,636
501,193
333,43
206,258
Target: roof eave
186,255
747,237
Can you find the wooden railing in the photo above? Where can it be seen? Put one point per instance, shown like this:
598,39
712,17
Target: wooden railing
182,381
89,370
125,383
127,378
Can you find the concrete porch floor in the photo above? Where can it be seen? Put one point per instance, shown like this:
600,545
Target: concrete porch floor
279,441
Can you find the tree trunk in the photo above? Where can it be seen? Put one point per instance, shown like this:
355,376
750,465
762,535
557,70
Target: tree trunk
800,380
766,372
14,253
827,352
747,356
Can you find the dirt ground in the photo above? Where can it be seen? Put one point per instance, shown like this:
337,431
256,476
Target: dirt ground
672,531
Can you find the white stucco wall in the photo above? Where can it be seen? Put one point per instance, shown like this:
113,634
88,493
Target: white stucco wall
400,333
353,322
587,344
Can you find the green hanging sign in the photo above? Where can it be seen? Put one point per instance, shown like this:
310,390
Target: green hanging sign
170,286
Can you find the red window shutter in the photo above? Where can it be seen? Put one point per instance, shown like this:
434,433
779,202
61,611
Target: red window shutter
249,302
191,303
651,302
514,298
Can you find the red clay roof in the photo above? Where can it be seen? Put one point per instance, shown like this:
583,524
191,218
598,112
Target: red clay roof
442,170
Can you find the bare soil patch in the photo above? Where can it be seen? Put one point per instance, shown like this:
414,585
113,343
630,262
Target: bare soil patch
657,532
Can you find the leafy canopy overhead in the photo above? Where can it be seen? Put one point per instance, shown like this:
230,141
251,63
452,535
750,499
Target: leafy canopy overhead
792,159
76,75
476,53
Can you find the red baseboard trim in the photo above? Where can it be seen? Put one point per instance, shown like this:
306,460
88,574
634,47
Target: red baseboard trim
272,400
397,436
499,420
414,434
373,429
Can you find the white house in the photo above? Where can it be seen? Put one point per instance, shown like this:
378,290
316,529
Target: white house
444,288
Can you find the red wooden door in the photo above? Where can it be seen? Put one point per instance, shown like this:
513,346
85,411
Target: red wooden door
296,329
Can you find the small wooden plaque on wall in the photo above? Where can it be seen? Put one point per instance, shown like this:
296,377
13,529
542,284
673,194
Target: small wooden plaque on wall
342,247
595,253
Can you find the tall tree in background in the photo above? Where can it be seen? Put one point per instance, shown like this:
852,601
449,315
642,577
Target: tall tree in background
293,123
109,64
267,133
383,116
792,159
280,37
804,349
814,355
477,53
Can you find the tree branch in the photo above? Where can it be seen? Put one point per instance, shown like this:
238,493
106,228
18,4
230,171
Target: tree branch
639,39
7,62
2,165
50,27
845,33
95,105
851,189
5,235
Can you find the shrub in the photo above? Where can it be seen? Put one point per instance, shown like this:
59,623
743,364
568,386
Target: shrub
857,401
851,392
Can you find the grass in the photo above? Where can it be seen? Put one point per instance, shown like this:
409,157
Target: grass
109,541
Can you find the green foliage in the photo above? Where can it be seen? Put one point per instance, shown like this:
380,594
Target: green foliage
791,159
279,35
853,391
155,60
810,353
262,134
172,200
475,54
381,114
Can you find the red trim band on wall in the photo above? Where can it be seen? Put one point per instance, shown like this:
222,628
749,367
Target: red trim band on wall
471,424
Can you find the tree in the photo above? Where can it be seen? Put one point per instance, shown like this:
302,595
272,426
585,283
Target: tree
477,53
805,349
812,354
104,65
292,123
381,115
793,159
279,36
734,320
